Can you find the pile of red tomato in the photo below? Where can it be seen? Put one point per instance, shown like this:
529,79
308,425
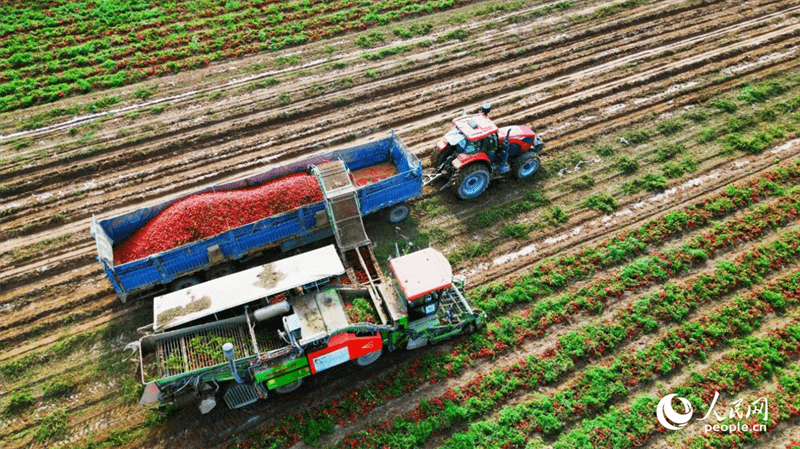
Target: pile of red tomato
209,213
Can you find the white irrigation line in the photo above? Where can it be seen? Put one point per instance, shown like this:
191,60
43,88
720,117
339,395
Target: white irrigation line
87,118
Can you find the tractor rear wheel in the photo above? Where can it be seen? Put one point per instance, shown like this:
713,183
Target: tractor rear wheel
472,181
526,165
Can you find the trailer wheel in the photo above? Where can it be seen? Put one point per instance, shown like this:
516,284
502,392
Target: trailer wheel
219,271
186,282
288,388
398,213
369,359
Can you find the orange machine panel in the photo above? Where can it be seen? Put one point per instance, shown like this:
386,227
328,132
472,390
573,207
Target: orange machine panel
342,348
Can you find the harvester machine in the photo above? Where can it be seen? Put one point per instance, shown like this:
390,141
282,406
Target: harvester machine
261,331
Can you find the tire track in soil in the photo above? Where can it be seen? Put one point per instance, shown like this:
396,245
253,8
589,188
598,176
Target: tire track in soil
82,225
417,125
161,173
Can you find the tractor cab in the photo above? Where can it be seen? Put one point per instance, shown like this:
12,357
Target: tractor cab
421,276
476,151
436,308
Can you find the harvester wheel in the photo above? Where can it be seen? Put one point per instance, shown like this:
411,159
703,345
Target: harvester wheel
472,181
368,359
288,388
526,165
398,213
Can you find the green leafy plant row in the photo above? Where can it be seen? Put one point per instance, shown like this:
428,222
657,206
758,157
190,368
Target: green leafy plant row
483,393
410,376
600,386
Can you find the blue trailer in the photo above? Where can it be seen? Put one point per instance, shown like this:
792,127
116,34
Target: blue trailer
194,262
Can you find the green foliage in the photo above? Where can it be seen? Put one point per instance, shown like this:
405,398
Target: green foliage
311,429
386,52
555,216
516,230
494,215
431,207
707,135
627,165
435,234
575,158
52,427
282,61
371,73
470,251
285,97
583,182
369,40
650,182
674,169
740,123
668,151
457,34
725,106
637,137
143,93
604,150
18,402
601,202
669,127
418,29
762,91
267,82
754,144
697,116
57,388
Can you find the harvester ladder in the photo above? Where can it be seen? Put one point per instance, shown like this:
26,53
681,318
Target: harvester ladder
341,201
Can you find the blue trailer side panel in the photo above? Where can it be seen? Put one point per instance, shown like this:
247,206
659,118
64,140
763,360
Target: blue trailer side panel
288,230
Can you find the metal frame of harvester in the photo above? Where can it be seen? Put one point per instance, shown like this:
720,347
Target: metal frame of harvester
265,329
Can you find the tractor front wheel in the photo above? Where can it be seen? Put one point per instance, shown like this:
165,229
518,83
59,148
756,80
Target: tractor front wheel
526,165
471,181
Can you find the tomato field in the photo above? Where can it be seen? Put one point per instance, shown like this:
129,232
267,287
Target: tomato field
655,251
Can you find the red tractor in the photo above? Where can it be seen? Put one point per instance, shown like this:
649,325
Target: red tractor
477,151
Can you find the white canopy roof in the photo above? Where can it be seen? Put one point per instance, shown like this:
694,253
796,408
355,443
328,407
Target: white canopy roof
176,308
422,272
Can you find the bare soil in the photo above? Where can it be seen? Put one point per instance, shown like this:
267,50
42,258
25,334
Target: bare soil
581,77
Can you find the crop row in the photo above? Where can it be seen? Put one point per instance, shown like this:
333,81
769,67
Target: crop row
483,393
599,386
35,72
554,273
783,402
753,362
408,378
639,274
110,18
